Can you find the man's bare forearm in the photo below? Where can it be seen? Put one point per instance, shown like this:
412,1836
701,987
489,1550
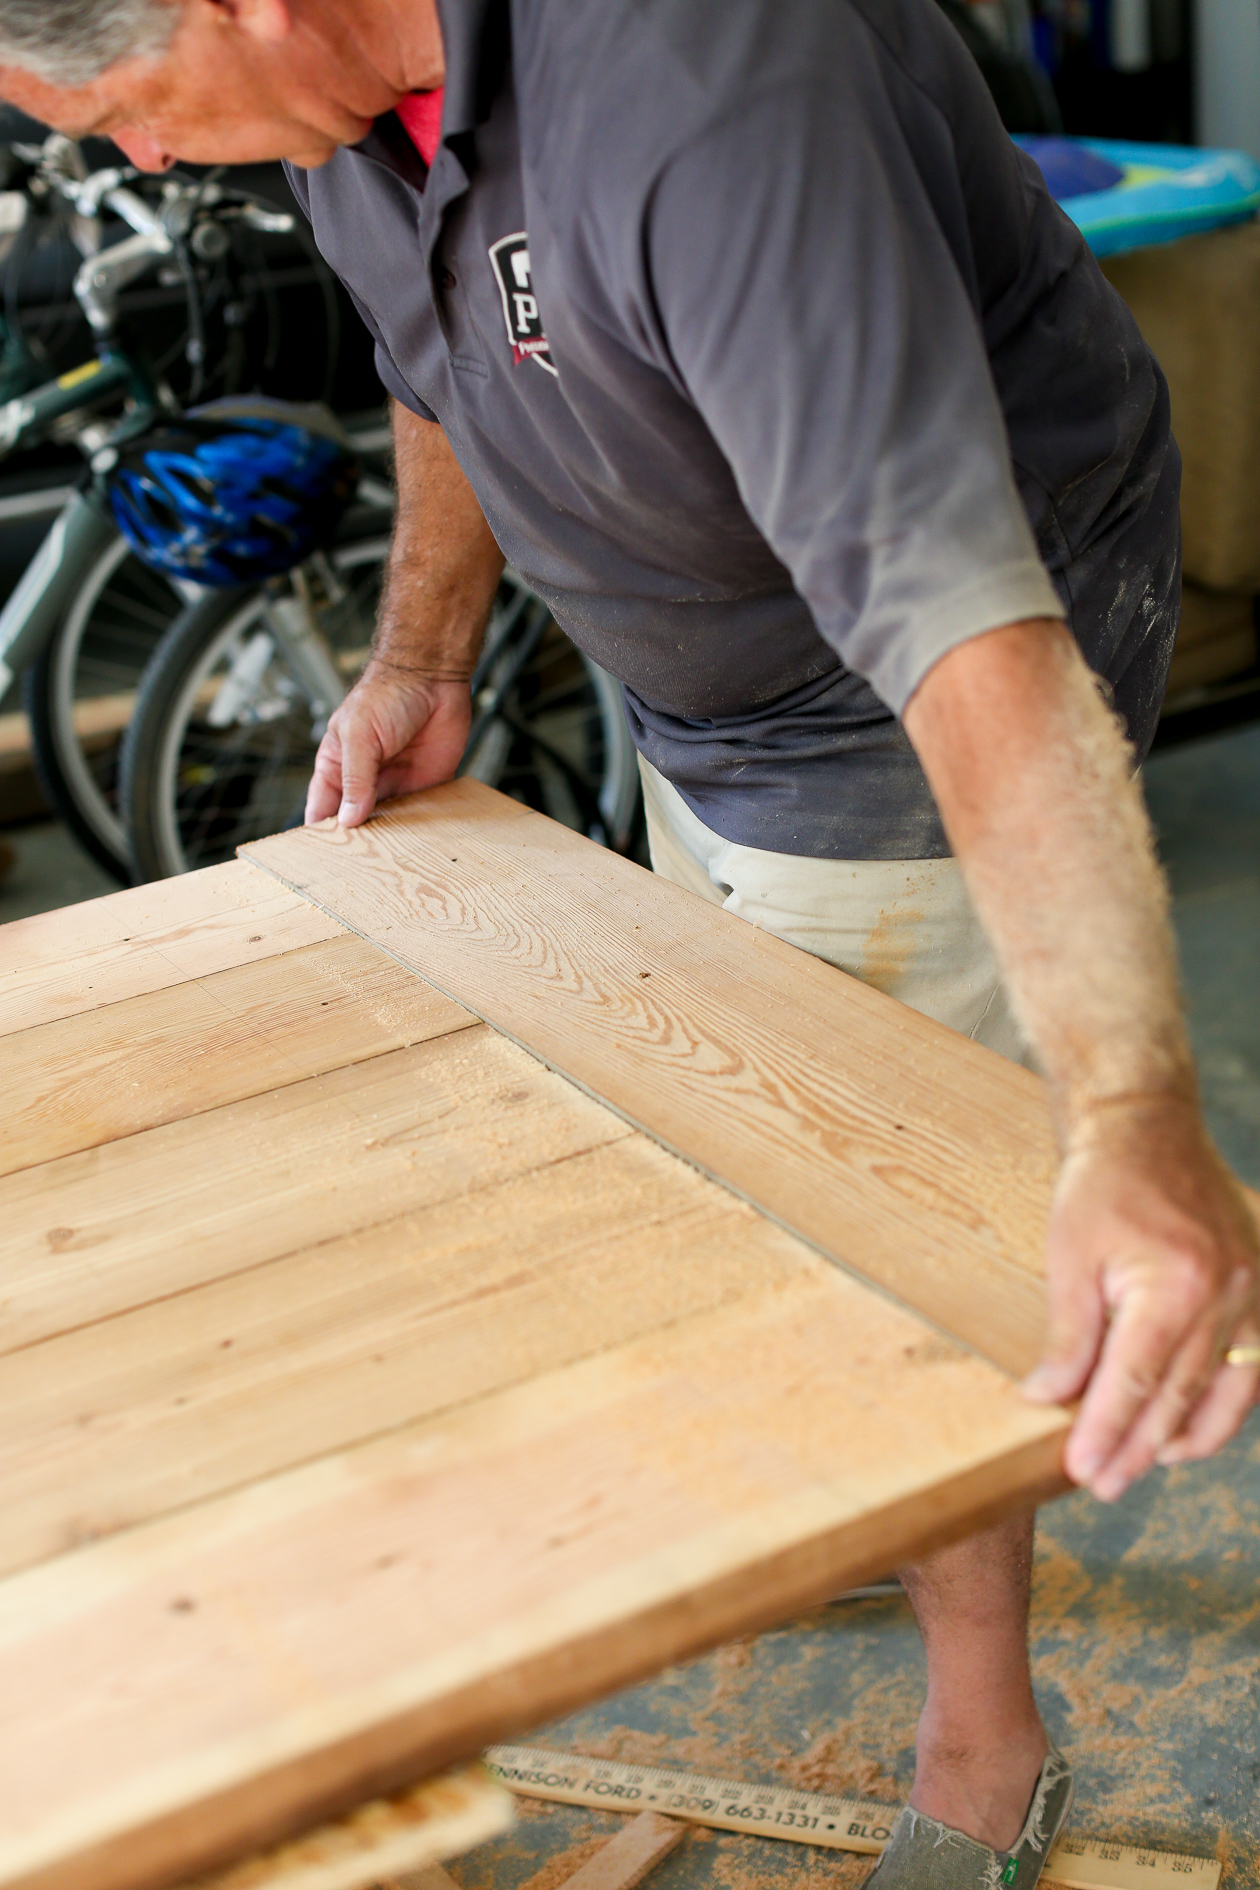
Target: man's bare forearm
444,565
405,723
1035,785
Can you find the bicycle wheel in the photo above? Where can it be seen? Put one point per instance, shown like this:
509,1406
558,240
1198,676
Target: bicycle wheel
549,728
224,736
80,691
223,739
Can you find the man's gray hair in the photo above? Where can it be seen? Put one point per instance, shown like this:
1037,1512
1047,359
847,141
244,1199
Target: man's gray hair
71,42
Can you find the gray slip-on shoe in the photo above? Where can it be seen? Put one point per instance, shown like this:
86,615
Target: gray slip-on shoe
924,1855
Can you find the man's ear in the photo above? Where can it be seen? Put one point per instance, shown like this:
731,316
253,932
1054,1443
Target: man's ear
267,20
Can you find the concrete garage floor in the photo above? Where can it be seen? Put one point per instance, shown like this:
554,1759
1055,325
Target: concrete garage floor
1146,1622
1205,801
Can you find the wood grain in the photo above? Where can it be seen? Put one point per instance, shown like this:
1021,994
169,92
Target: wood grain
365,1399
918,1160
342,1628
92,1235
146,939
213,1040
231,1382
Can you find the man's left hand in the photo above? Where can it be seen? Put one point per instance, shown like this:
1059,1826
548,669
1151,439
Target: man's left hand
1153,1263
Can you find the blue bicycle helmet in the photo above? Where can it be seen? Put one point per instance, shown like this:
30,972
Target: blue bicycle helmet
235,491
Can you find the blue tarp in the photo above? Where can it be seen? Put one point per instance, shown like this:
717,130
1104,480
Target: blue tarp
1166,191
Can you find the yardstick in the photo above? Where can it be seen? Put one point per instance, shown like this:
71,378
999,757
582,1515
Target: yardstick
837,1824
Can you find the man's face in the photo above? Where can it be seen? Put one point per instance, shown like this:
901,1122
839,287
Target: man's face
240,81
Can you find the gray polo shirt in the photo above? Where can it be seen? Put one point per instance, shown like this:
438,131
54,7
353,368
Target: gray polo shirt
776,372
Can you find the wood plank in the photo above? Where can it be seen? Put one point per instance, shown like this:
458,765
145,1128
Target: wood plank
94,1234
513,1407
146,939
376,1842
918,1160
15,741
98,721
195,1394
214,1679
627,1858
147,1060
432,1877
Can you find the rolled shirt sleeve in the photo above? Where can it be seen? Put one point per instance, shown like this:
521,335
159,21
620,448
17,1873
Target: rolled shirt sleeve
808,299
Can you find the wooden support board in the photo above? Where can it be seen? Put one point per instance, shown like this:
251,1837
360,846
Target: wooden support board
627,1858
368,1391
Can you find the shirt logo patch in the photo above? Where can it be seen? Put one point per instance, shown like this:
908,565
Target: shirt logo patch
509,258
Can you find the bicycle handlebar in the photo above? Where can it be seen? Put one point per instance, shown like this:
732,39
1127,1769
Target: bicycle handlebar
100,278
157,231
162,229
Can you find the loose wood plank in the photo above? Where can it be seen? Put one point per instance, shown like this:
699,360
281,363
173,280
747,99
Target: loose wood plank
919,1160
356,1622
432,1877
179,1400
627,1858
145,939
378,1841
173,1053
94,1234
98,721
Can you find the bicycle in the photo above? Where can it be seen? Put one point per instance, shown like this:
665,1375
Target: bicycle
232,707
549,726
88,613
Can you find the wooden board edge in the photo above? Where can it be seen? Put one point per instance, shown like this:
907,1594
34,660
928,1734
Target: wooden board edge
91,964
441,1817
326,1782
262,1056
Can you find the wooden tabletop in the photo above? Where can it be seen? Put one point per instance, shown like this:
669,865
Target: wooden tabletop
446,1275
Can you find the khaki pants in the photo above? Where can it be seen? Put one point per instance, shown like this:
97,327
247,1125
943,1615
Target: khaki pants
906,926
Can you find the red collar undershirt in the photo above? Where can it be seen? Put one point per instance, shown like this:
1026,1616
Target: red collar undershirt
421,116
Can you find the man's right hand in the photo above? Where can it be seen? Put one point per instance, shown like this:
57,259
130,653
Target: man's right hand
394,733
405,723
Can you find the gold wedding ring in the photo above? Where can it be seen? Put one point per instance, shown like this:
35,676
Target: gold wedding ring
1243,1355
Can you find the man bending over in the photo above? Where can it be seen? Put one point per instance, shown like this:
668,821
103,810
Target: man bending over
752,341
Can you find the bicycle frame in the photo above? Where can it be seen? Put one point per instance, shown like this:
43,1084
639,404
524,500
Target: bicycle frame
33,414
85,526
44,591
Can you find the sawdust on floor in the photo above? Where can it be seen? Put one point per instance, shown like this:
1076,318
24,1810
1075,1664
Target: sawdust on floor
564,1864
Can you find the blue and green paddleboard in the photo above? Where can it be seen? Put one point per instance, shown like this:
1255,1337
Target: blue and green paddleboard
1124,196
